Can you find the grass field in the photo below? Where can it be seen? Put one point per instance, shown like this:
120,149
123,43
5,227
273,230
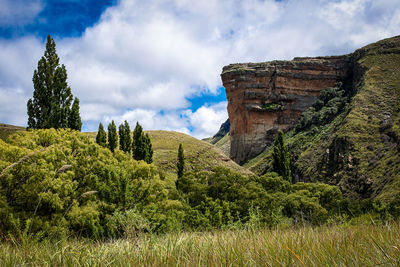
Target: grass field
360,245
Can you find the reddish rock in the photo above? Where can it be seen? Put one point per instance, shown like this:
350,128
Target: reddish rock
266,97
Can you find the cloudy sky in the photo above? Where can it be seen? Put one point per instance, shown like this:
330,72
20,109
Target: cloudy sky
159,61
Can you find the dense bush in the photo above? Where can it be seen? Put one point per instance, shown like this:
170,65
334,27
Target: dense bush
61,182
329,104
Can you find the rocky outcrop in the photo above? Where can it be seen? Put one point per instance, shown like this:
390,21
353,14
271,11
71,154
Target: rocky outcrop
266,97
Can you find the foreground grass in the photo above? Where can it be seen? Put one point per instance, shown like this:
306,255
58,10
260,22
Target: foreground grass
360,245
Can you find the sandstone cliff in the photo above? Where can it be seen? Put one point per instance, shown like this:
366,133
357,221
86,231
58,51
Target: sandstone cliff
266,97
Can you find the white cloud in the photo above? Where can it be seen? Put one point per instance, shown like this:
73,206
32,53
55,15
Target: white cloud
18,12
143,60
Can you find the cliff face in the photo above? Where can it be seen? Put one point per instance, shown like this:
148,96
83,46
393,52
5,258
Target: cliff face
266,97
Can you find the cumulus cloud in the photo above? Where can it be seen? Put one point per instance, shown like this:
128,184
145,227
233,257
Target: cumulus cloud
146,60
19,12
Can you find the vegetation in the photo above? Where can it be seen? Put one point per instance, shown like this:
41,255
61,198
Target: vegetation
101,137
50,106
141,145
125,139
342,245
281,157
112,136
351,135
180,165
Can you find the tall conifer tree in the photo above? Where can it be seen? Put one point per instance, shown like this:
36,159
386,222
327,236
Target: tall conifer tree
101,137
141,145
281,157
74,119
125,139
50,106
112,136
180,165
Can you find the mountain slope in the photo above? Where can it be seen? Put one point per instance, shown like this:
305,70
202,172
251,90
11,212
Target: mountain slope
360,149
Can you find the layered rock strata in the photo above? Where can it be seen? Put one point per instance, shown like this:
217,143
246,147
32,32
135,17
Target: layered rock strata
266,97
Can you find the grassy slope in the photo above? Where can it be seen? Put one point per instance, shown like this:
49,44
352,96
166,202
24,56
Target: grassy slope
367,164
360,245
6,130
199,155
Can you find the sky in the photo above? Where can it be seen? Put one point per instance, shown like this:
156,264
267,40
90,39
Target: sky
159,61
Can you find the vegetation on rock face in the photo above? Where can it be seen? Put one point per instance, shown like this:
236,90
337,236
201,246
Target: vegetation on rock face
351,135
50,106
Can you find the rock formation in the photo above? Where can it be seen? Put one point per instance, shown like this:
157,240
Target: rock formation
266,97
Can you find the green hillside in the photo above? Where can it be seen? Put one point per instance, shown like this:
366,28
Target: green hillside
359,149
6,130
199,155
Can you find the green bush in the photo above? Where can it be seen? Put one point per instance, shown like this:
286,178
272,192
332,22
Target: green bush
64,183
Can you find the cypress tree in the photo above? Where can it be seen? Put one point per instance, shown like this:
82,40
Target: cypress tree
281,157
50,106
101,137
125,137
180,165
112,136
148,149
74,118
128,138
141,145
121,132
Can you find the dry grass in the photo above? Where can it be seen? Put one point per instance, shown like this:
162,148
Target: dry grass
360,245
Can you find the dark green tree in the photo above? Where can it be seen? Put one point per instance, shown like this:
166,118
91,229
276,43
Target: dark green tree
101,137
148,148
112,136
125,139
141,145
281,157
50,106
74,119
180,165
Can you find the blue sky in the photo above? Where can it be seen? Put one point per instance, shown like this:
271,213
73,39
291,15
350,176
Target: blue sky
159,61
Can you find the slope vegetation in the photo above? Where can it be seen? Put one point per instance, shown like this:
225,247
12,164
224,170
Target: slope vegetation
359,149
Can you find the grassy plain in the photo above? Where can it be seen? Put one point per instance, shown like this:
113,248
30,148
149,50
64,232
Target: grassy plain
339,245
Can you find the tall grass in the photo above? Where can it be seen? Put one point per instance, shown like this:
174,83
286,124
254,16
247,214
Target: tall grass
360,245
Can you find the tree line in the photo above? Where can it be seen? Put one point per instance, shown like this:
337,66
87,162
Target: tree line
139,143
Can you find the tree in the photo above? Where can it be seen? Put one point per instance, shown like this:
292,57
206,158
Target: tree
281,157
101,137
125,137
148,149
74,119
180,165
141,145
112,136
50,106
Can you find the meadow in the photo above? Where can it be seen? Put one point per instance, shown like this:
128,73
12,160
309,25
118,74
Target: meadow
338,245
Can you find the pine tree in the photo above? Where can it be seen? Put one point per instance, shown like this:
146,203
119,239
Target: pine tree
148,149
101,137
141,145
112,136
125,137
281,157
180,165
74,118
50,106
128,138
